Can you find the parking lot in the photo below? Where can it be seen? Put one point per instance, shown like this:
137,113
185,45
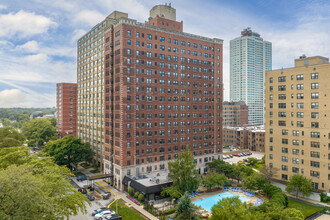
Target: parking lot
234,159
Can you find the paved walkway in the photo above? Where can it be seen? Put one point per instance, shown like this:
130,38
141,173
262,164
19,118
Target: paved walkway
129,203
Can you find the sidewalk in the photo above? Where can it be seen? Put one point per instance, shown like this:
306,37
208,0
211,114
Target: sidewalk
129,203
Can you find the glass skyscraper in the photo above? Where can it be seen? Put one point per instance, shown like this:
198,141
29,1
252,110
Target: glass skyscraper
250,58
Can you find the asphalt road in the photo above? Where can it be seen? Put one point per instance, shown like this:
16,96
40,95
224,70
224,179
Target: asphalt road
234,159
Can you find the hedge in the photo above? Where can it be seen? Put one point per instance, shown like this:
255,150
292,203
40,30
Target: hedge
277,197
169,211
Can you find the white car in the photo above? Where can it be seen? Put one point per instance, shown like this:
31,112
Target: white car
103,215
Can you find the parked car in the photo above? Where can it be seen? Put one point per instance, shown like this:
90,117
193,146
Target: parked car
113,217
106,196
103,214
81,178
90,197
231,155
82,190
245,160
97,211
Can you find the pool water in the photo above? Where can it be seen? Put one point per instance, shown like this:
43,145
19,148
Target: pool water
209,202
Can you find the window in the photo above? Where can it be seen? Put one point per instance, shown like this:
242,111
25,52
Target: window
282,96
281,123
315,144
300,96
295,160
285,132
295,133
285,141
281,105
281,88
271,97
315,174
300,77
300,124
285,159
315,164
284,150
295,170
281,79
300,114
300,105
271,79
295,142
300,86
315,134
284,177
315,154
314,86
315,105
315,115
315,95
314,76
284,168
282,114
270,88
314,125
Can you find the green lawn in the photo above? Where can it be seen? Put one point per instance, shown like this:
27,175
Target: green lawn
306,209
125,211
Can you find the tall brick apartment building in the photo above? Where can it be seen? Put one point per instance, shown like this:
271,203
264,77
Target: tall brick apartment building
162,92
66,104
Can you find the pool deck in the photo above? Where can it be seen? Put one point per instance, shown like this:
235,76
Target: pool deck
204,195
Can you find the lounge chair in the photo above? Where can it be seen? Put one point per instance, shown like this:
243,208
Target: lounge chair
190,195
197,193
193,194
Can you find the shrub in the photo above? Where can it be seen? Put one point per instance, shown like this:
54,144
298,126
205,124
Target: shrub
130,191
324,198
169,211
141,197
277,197
136,195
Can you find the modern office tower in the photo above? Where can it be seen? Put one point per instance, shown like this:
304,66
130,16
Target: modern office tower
297,120
250,58
148,90
234,114
66,105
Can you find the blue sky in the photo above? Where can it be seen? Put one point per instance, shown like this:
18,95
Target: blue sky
38,37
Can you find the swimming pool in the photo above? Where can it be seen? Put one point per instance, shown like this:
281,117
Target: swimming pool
209,202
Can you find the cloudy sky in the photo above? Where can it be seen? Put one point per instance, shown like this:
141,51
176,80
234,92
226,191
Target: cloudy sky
38,37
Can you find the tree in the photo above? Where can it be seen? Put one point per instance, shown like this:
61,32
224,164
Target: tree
255,180
292,214
171,191
69,150
299,184
213,179
268,172
215,165
9,137
251,161
34,187
232,208
183,173
39,131
239,171
185,210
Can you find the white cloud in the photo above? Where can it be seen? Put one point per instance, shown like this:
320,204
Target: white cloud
23,24
89,17
29,47
3,7
11,97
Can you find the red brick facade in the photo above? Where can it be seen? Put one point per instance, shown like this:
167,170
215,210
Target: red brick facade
162,92
66,104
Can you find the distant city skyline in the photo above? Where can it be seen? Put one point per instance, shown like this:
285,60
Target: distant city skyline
38,39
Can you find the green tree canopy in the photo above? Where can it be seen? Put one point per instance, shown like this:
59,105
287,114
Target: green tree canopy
185,209
292,214
34,187
9,137
183,172
69,150
213,179
239,171
299,184
233,209
251,161
39,131
268,172
255,180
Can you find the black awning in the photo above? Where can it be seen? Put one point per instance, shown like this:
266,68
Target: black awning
99,177
145,189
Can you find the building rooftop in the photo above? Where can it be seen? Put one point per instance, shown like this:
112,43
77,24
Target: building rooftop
152,178
260,128
248,32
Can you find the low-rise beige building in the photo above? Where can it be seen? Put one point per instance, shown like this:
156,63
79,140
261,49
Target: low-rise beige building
297,120
252,137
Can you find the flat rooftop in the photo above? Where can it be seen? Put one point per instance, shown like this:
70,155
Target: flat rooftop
152,178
